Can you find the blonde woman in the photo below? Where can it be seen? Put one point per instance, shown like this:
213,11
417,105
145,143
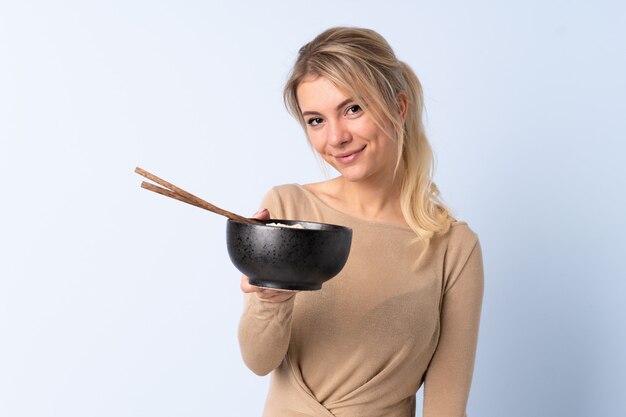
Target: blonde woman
405,309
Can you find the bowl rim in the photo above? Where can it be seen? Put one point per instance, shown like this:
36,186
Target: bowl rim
334,227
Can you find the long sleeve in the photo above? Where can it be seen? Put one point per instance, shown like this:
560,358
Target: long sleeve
398,314
449,376
265,327
264,332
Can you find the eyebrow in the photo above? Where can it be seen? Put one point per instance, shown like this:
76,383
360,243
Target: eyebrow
339,107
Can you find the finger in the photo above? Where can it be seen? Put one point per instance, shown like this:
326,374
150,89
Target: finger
273,297
266,293
263,214
246,287
249,288
276,295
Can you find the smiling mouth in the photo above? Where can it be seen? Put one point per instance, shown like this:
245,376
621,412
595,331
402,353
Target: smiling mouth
346,158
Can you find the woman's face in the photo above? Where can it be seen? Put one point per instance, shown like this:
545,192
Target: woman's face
343,134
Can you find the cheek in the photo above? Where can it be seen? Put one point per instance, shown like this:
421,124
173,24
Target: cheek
316,142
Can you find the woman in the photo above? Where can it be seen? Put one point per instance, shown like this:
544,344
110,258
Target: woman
405,309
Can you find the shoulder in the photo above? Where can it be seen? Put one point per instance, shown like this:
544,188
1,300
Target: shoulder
460,235
284,201
285,192
295,201
460,246
324,191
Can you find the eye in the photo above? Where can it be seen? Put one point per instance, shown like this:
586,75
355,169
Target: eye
353,110
314,121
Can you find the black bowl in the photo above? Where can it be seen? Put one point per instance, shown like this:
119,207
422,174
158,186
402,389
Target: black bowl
288,258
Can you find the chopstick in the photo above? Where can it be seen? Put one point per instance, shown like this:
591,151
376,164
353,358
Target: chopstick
168,193
172,191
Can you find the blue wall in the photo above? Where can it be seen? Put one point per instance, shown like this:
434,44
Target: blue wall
525,111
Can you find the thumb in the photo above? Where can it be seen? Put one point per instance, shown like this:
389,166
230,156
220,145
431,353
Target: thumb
262,214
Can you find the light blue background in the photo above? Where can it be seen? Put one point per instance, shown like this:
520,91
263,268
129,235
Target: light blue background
118,302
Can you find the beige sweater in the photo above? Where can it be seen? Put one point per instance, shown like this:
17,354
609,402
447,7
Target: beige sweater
398,315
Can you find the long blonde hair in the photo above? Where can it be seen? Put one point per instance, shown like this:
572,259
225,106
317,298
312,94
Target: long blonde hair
361,63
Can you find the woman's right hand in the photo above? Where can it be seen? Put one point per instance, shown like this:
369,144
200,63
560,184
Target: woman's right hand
266,294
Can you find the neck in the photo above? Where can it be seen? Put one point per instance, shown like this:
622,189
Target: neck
373,199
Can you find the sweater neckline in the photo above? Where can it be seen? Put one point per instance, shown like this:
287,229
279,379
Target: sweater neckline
353,218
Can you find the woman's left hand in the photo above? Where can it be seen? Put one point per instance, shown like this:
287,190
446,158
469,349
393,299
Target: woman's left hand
266,294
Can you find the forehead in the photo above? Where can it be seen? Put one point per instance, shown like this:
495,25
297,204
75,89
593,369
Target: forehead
317,93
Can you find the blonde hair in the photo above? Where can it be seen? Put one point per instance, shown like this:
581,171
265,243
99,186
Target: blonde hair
361,63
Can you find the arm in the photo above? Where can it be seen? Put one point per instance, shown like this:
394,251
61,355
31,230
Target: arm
264,333
449,376
265,326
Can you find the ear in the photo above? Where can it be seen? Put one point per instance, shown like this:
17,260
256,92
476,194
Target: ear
403,105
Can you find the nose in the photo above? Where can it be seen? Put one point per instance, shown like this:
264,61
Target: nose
338,134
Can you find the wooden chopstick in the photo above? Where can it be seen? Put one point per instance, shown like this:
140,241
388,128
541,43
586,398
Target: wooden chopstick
168,193
177,193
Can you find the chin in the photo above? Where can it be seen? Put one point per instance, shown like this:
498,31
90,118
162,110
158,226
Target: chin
353,175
